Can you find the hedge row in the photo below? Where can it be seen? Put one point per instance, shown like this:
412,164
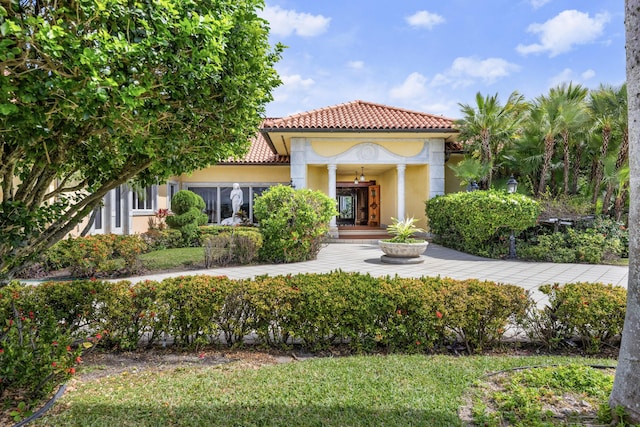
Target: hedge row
319,310
47,327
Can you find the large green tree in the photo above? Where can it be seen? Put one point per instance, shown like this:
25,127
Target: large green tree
94,93
626,386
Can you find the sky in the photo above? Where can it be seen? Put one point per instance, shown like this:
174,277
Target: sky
431,56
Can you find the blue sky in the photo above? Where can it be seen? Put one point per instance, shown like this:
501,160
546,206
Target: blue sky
430,56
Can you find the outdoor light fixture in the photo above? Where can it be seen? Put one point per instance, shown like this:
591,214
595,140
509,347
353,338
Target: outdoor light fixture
512,185
362,174
355,180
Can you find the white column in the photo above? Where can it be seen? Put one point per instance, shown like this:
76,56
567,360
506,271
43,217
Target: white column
436,167
331,191
298,162
401,169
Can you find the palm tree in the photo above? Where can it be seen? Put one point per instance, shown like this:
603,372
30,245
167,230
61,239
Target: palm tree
572,117
608,107
544,123
626,385
489,127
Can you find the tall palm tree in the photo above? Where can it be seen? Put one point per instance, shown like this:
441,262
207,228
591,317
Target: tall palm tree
572,118
545,124
489,127
620,133
608,107
626,385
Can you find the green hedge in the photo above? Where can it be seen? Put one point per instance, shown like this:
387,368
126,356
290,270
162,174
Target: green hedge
97,255
293,223
474,222
47,327
319,310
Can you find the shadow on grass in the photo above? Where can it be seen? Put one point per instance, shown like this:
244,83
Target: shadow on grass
164,414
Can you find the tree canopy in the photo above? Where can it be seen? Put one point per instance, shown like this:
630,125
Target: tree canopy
94,93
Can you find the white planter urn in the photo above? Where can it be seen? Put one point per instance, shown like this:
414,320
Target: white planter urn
402,253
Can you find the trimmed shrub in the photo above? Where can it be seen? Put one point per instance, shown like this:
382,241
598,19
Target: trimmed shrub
167,238
132,314
478,313
187,208
589,246
97,255
238,246
188,308
293,223
479,222
592,313
38,349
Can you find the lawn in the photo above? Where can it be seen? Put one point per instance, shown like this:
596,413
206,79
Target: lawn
397,390
171,259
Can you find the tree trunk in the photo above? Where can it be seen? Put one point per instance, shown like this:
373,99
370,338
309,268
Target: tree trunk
626,386
597,180
549,143
620,201
576,168
623,155
486,157
565,160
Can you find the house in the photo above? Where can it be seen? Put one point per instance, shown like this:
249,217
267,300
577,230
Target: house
377,161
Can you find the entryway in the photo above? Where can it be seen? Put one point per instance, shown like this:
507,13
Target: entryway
358,205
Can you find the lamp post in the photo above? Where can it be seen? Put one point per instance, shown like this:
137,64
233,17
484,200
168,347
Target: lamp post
512,187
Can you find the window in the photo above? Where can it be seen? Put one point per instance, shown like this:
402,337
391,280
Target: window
218,204
173,189
144,198
97,219
118,207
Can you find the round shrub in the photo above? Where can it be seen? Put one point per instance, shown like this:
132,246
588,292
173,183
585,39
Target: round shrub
473,222
293,223
187,216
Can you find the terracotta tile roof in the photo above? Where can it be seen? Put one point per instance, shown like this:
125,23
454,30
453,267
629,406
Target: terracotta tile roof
360,115
259,153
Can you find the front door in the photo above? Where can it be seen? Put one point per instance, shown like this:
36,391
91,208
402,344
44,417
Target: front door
353,205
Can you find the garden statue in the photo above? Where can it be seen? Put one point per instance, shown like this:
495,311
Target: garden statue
236,204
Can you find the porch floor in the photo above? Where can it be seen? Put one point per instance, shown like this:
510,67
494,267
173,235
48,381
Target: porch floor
359,234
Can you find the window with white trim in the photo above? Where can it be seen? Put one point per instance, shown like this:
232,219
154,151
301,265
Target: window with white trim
145,198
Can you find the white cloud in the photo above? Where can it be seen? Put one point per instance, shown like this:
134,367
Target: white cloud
355,65
559,34
568,75
424,19
295,81
539,3
293,85
465,70
285,22
413,87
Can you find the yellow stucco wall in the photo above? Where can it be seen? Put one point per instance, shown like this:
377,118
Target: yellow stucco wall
451,181
318,178
239,173
333,147
416,193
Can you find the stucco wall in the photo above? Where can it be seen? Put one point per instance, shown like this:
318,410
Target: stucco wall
451,181
240,173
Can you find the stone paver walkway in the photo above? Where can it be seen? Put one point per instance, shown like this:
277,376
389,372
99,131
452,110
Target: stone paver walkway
438,261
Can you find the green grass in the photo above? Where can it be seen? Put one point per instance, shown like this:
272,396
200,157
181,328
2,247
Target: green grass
353,391
169,259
